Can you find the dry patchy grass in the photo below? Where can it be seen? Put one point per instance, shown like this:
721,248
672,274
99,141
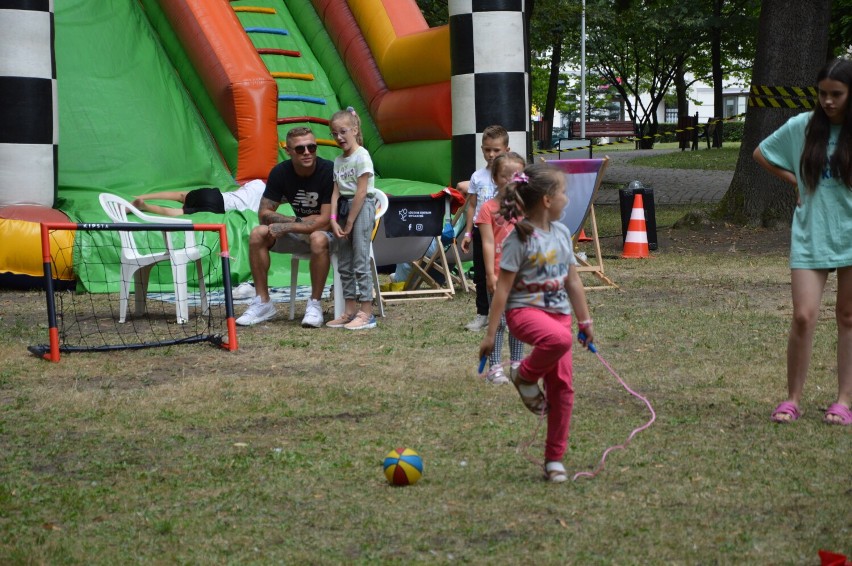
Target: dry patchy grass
273,453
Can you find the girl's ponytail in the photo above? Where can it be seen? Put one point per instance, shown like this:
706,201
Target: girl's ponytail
512,208
526,192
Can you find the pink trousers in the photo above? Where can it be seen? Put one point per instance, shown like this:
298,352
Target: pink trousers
550,336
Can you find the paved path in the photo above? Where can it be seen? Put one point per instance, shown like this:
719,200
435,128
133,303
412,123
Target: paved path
671,186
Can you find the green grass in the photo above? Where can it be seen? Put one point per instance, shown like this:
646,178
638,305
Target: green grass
721,159
272,454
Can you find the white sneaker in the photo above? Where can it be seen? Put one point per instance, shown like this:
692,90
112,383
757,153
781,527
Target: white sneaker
244,290
257,312
478,323
496,376
313,315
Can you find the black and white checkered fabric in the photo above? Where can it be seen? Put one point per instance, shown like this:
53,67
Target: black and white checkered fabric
489,78
29,125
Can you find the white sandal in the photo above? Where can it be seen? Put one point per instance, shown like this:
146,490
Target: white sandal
554,472
531,393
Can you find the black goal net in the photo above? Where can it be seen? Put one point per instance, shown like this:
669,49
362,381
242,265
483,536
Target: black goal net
137,286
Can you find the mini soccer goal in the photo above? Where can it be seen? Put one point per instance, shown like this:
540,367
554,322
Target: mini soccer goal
137,286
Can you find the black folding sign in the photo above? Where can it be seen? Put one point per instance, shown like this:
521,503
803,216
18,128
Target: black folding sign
420,215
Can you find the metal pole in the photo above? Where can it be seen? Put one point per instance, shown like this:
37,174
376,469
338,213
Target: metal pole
583,72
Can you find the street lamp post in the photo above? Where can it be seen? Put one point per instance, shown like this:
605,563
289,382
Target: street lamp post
583,72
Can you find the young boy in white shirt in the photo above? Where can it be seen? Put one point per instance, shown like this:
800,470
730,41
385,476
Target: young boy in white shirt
495,140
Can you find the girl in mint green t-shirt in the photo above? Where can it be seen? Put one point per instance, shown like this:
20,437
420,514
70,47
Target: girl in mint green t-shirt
813,152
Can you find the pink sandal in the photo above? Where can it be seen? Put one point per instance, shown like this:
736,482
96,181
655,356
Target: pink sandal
842,412
786,412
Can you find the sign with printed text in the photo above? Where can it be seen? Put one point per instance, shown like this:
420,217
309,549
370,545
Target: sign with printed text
420,215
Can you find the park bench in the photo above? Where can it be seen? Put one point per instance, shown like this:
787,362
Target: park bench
609,129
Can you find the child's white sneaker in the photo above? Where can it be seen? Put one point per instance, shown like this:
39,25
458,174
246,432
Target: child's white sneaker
478,323
496,376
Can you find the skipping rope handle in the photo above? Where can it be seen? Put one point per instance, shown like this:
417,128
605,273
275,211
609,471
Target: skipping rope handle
581,336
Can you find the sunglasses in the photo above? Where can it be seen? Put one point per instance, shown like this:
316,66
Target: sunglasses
310,148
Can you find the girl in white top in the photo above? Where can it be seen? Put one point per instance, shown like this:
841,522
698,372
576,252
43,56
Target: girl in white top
353,213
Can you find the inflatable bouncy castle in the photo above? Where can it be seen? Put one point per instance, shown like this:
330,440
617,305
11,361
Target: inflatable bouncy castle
154,95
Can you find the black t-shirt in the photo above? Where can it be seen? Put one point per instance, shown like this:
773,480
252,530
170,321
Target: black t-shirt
305,194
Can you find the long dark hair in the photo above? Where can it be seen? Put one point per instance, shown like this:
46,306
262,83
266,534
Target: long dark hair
817,132
526,192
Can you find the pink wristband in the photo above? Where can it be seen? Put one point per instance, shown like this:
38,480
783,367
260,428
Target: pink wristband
333,217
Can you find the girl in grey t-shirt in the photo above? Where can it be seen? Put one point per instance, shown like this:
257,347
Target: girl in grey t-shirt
538,287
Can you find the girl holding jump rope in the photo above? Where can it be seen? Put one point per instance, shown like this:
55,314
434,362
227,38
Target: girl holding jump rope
537,287
813,152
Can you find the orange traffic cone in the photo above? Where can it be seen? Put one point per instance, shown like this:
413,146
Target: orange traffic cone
636,242
582,237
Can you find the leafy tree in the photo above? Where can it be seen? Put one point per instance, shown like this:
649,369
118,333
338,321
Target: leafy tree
638,50
724,34
840,32
554,32
733,26
435,12
791,47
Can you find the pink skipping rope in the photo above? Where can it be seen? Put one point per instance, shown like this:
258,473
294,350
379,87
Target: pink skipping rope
636,431
525,446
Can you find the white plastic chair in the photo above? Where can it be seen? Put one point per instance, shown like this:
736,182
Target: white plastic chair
339,302
137,265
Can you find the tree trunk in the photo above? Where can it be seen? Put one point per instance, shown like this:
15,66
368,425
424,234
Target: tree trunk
552,88
718,72
716,59
791,47
680,91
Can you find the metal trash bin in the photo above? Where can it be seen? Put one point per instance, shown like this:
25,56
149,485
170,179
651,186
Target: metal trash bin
625,199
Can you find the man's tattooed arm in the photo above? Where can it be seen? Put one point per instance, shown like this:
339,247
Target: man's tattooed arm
267,215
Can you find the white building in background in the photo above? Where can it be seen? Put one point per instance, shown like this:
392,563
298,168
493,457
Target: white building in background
734,98
700,94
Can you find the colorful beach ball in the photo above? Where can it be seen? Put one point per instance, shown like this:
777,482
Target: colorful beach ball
403,466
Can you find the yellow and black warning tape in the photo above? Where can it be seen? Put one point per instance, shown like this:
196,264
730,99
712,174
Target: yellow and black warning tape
783,97
634,139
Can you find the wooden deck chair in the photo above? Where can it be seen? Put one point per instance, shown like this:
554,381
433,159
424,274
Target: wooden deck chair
453,254
405,233
584,180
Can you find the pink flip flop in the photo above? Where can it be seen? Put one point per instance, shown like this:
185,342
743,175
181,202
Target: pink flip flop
786,412
843,413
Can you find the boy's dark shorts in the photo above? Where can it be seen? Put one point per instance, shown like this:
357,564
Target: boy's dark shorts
207,199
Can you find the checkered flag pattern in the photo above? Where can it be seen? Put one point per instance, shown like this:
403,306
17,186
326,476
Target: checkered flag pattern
29,125
489,78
